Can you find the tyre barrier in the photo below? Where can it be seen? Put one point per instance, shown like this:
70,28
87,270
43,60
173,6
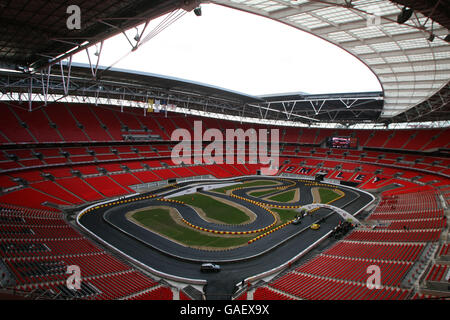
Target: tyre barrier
223,231
116,202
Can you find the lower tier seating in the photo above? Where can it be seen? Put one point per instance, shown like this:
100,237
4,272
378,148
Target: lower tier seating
311,287
38,247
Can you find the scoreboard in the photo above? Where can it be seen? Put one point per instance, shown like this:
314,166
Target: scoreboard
342,142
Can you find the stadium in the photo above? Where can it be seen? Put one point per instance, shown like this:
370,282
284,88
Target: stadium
110,191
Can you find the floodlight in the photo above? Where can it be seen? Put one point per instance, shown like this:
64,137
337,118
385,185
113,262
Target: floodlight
198,11
404,15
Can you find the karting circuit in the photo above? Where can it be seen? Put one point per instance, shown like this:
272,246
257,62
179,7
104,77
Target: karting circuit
176,229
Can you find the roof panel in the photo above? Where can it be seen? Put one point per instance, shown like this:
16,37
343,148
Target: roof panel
34,32
409,67
341,36
362,49
337,15
396,59
385,46
307,20
368,32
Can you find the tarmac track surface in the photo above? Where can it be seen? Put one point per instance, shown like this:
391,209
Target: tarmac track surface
264,254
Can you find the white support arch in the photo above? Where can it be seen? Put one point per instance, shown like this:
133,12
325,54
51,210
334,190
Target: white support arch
344,214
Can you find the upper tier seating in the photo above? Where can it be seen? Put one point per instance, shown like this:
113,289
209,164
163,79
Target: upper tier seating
86,123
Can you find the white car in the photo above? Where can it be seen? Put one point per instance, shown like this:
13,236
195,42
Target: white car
209,267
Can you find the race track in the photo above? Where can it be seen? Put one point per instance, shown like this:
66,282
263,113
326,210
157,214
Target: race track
158,253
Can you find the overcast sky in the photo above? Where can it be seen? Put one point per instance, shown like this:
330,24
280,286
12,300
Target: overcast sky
241,52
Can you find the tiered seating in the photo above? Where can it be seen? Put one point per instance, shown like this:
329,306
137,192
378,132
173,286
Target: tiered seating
395,236
160,293
323,134
440,270
48,247
266,293
242,168
183,172
218,171
109,119
289,150
29,175
441,141
86,169
36,232
146,176
317,288
199,170
184,296
412,216
125,180
31,198
421,139
163,150
6,182
80,188
77,122
154,126
120,285
398,140
38,125
129,120
38,246
66,124
434,223
57,191
406,215
379,138
380,251
111,167
12,128
445,250
416,203
377,181
60,172
341,175
91,126
353,269
439,273
106,186
165,174
53,268
307,136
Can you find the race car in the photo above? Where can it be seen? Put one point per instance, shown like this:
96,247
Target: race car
315,226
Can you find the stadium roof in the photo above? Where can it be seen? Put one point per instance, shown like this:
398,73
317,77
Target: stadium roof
35,33
410,68
413,71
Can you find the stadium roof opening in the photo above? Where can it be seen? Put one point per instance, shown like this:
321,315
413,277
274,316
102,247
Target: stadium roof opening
241,52
410,67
